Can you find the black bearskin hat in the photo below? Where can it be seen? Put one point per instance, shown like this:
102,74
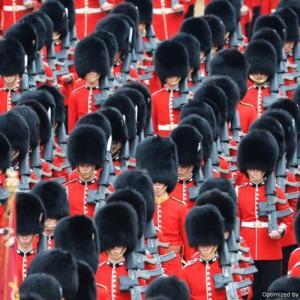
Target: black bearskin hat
43,285
271,36
145,10
140,181
79,236
117,225
129,10
204,129
18,139
119,28
57,14
87,285
60,264
87,145
97,119
188,142
293,4
200,29
27,36
136,200
5,153
271,21
171,59
291,20
192,46
258,150
91,55
49,28
170,287
262,58
69,5
31,214
204,226
126,108
284,286
118,127
158,156
225,11
217,28
232,63
12,58
223,202
54,198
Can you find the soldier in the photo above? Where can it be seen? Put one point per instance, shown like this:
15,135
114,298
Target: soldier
86,153
171,65
205,230
50,262
91,62
262,237
31,216
232,63
78,235
117,225
189,148
158,156
12,67
54,198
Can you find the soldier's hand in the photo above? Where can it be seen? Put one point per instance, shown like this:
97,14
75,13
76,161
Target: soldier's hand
275,235
178,8
67,78
106,6
29,4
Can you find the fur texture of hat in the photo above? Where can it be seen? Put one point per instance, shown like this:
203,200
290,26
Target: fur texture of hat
70,6
283,285
293,4
49,28
145,10
217,28
5,153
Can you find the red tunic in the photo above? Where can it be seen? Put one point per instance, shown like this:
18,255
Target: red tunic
268,6
261,245
6,97
77,193
199,276
23,262
166,22
248,115
169,218
13,10
164,117
81,102
102,292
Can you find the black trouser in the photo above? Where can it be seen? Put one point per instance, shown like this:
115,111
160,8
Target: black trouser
286,252
268,271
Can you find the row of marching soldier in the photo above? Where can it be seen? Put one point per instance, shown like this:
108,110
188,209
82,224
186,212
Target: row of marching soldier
158,157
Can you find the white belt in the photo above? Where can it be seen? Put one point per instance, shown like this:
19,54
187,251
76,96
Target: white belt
14,7
256,224
88,10
167,127
163,11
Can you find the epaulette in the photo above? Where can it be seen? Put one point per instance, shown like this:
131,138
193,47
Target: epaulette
80,87
102,264
157,92
191,262
177,200
247,104
71,181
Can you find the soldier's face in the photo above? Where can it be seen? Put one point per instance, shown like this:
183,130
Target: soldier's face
207,252
86,171
142,29
55,36
259,78
50,225
173,81
288,47
25,241
10,79
92,77
159,189
185,173
116,253
256,175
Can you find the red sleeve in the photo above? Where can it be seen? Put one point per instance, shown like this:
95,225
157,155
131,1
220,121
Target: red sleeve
72,113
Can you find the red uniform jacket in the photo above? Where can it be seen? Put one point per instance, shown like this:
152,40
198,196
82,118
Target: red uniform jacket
13,10
256,95
261,245
268,6
88,14
81,102
169,218
108,275
166,22
248,115
6,97
102,292
23,262
199,276
164,117
77,193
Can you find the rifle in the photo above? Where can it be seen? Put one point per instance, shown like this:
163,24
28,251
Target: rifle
281,173
225,279
97,197
198,179
208,172
31,76
62,138
128,59
40,74
152,44
42,245
148,131
225,140
236,127
24,173
36,161
180,101
269,208
134,142
214,154
139,48
233,40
